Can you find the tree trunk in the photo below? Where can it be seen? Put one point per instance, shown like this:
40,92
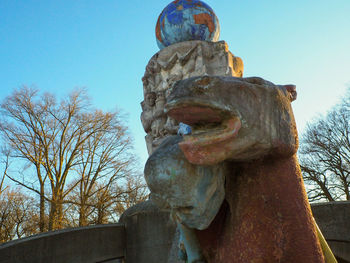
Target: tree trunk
52,215
42,209
82,215
59,220
101,216
56,212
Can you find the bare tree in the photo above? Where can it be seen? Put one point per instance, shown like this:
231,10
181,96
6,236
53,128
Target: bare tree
110,202
104,160
133,191
18,215
325,155
106,202
68,144
5,161
20,126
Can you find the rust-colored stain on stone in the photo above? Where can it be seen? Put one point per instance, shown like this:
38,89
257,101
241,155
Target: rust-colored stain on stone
267,219
205,19
203,81
212,146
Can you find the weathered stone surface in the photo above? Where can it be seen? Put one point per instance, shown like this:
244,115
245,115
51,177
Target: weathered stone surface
192,193
267,217
233,118
103,243
176,62
333,219
248,125
150,235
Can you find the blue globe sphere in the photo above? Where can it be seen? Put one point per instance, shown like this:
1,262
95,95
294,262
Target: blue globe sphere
184,20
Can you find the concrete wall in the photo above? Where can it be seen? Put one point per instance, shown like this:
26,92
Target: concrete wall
94,244
150,235
334,221
147,234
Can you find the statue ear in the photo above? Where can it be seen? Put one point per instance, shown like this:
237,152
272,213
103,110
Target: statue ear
292,89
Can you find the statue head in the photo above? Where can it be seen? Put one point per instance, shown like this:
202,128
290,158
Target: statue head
150,99
233,118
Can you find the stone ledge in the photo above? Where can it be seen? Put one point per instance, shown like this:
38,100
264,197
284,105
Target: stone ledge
333,218
78,245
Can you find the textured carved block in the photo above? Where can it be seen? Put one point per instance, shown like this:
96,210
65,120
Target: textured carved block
176,62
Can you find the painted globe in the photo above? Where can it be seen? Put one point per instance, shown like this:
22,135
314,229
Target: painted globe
184,20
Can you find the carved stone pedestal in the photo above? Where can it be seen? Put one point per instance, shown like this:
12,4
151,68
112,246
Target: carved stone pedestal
176,62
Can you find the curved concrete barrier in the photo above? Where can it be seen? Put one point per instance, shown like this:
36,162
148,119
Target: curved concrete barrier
333,218
149,236
95,244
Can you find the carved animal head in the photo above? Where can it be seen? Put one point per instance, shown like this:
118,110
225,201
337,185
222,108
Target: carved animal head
234,118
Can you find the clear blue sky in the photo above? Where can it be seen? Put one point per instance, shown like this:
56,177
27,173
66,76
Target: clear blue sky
104,45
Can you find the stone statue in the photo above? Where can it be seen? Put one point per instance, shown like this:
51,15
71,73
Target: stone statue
159,116
147,111
238,166
228,173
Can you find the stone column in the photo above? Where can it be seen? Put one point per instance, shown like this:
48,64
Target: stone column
177,62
